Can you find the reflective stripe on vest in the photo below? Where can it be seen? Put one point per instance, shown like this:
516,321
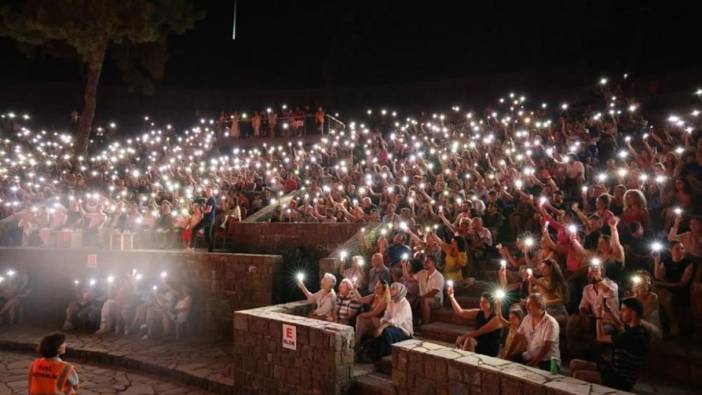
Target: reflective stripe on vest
48,377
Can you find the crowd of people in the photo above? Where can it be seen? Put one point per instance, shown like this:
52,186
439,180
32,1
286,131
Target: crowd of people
586,213
297,122
129,305
161,182
590,223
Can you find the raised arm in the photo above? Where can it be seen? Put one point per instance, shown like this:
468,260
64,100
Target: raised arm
468,314
617,248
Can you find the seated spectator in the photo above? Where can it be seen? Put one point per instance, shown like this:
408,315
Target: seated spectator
542,333
182,309
580,329
455,258
85,311
325,298
346,306
673,274
119,307
377,272
515,342
355,272
15,291
431,287
159,310
485,338
398,250
553,286
642,291
494,220
692,240
396,324
479,238
630,346
369,320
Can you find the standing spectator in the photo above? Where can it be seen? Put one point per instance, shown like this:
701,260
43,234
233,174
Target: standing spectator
319,120
49,374
256,120
673,275
207,221
542,333
630,343
272,123
234,130
580,329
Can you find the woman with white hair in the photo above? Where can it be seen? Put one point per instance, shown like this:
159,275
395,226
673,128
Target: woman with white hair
325,298
396,324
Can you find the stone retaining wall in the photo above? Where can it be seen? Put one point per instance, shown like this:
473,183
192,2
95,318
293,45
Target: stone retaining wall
428,368
321,364
221,283
277,237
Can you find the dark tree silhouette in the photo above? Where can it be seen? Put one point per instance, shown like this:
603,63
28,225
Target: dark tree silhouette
136,32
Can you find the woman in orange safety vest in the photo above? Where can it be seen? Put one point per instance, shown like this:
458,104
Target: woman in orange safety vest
49,375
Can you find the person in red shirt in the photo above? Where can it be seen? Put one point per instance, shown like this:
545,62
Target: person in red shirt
290,184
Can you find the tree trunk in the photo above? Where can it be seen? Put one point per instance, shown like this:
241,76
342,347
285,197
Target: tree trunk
89,100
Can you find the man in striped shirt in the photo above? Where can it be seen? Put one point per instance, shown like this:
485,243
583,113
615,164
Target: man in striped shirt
346,306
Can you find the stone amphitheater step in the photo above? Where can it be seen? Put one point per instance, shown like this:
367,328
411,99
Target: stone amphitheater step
442,331
384,365
375,383
446,314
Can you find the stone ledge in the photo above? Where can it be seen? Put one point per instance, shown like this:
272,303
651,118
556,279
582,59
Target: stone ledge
321,363
418,363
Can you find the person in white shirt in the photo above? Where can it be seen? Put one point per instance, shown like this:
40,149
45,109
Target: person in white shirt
396,324
580,329
541,331
431,287
325,298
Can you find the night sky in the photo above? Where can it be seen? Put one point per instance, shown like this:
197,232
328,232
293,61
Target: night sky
318,44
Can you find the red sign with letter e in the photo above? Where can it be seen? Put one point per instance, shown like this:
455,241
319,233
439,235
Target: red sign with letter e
290,337
92,261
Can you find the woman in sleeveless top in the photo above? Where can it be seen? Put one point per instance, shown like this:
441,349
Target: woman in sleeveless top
485,338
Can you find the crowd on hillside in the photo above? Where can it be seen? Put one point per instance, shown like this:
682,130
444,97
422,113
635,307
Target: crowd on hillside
586,213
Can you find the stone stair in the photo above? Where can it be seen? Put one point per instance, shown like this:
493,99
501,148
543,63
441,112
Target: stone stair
376,383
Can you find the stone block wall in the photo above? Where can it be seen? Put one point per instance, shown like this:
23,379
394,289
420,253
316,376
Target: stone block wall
277,237
321,364
428,368
221,283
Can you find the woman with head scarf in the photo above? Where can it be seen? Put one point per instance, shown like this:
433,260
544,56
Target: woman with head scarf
396,324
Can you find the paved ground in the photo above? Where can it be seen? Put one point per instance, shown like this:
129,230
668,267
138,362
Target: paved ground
201,361
94,379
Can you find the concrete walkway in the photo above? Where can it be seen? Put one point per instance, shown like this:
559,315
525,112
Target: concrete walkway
93,379
190,361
